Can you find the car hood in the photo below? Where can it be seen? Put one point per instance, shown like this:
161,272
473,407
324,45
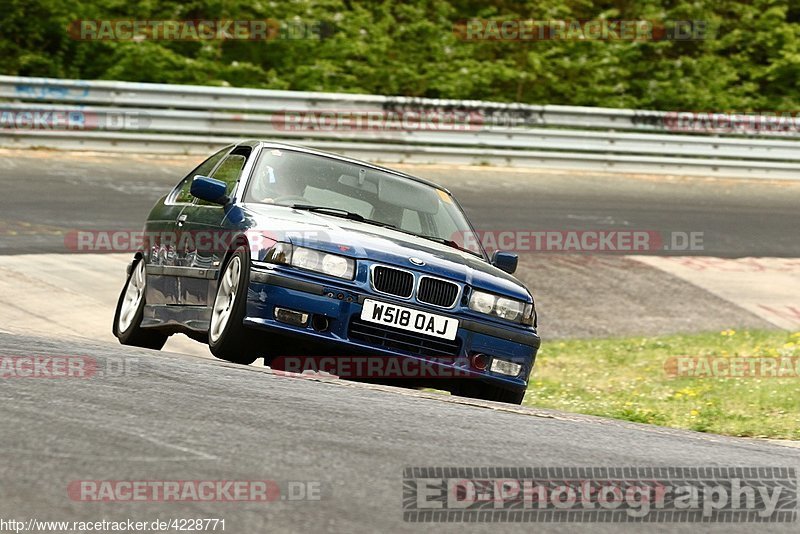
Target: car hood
381,245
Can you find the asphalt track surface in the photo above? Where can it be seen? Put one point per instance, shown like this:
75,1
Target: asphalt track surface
177,417
180,417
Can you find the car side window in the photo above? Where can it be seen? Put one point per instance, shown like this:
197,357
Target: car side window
182,194
229,171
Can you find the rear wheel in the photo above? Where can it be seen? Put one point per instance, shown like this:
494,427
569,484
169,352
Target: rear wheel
227,336
476,389
130,310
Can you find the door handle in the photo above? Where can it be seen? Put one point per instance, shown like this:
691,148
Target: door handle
181,220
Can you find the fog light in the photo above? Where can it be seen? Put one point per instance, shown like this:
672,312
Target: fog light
479,361
291,316
320,323
504,367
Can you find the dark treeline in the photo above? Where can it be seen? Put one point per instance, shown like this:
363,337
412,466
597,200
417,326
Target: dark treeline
749,58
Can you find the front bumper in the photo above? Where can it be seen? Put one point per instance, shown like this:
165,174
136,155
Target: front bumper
341,306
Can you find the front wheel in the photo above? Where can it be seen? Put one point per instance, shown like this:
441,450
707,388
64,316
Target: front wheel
227,336
130,310
475,389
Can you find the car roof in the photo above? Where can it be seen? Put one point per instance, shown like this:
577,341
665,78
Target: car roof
253,143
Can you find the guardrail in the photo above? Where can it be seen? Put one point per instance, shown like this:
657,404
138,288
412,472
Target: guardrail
103,115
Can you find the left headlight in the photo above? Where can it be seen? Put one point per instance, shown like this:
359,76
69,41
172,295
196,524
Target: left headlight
509,309
312,260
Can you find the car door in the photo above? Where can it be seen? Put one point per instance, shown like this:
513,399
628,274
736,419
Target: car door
211,232
163,236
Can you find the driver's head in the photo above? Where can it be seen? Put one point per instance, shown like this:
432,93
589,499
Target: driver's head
275,186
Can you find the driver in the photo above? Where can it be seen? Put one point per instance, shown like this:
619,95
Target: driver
276,190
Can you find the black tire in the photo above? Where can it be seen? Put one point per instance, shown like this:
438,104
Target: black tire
475,389
232,342
132,333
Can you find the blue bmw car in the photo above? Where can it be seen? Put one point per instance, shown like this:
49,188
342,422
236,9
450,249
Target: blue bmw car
278,251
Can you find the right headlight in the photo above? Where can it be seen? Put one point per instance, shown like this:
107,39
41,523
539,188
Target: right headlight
505,308
312,260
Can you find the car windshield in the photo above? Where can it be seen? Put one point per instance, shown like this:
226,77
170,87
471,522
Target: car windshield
309,181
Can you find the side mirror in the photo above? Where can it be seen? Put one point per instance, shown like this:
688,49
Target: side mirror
505,261
209,189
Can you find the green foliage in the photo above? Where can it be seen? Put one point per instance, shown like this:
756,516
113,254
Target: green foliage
751,62
633,379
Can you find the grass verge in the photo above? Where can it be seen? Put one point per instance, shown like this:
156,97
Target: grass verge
680,381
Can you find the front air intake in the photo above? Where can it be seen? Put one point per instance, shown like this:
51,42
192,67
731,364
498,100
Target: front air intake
392,281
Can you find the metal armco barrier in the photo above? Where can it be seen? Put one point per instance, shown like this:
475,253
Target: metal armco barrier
159,118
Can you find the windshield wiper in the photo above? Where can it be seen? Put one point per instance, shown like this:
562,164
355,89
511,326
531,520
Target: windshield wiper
442,240
338,212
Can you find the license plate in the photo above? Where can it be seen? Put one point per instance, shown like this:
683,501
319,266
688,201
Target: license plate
421,322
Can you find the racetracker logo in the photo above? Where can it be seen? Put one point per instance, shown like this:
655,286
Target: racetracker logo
375,367
47,367
263,491
732,367
194,241
581,241
580,494
194,30
421,120
42,366
71,119
759,122
581,30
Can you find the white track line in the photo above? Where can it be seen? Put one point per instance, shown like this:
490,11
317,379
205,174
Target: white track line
766,287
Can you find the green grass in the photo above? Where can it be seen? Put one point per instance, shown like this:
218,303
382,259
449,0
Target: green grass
626,379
